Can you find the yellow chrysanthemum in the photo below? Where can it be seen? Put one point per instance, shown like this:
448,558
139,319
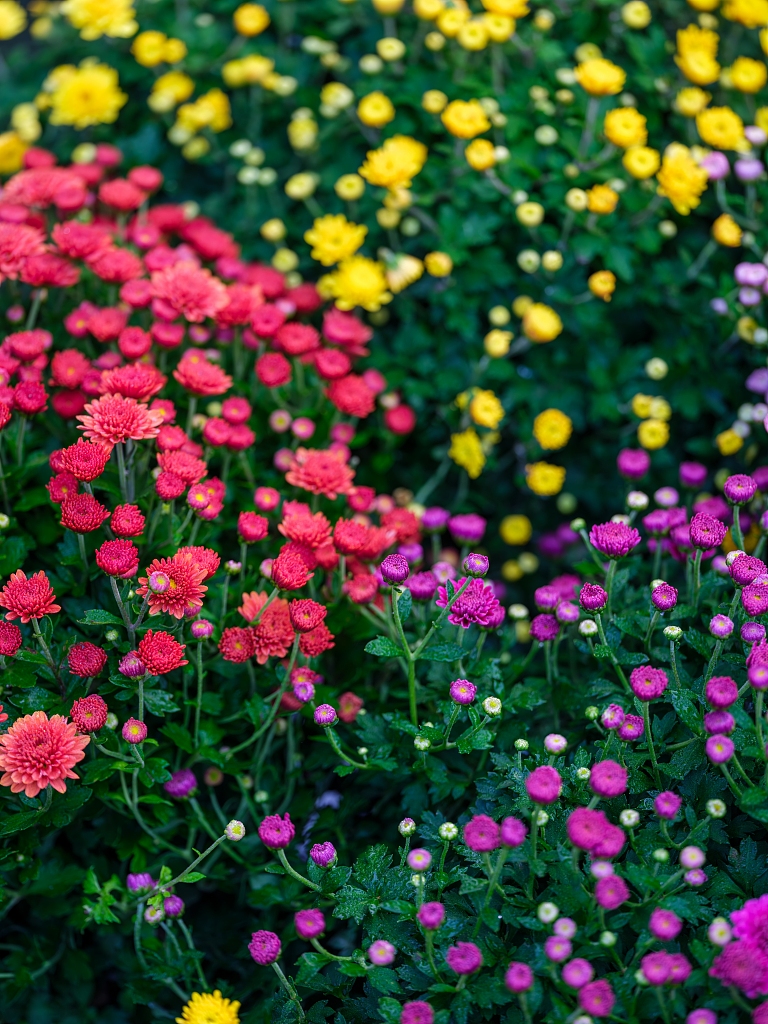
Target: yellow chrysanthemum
681,179
697,53
750,13
660,409
721,127
211,110
480,154
251,70
726,231
748,75
394,164
438,264
653,434
552,429
12,150
728,442
499,27
694,39
450,20
428,10
509,8
486,410
545,479
515,529
761,118
602,199
541,323
250,19
641,161
465,119
13,20
170,90
602,284
641,405
148,48
376,109
359,281
600,77
625,127
467,452
704,5
402,270
25,120
209,1008
86,96
302,133
97,18
691,101
334,238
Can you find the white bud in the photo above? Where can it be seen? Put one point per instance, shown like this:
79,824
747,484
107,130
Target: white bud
629,818
448,831
547,912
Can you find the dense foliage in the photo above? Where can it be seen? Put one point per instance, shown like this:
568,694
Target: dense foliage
314,313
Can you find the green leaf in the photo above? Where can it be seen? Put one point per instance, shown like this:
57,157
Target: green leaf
383,647
686,709
602,651
91,883
192,876
98,617
352,902
753,797
159,702
179,735
404,605
442,652
700,642
631,658
383,979
19,822
36,699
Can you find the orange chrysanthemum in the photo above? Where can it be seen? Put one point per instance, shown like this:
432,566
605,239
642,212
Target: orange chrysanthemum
38,752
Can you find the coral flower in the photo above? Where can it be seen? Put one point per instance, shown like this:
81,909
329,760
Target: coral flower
136,380
112,419
321,472
273,633
38,752
202,377
28,597
185,586
190,291
161,653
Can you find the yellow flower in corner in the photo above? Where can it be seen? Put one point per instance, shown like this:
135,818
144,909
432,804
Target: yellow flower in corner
600,77
721,127
748,75
333,238
465,119
12,150
515,529
209,1008
467,452
97,18
394,164
653,434
726,231
358,281
376,110
750,13
602,284
86,96
602,199
486,410
13,20
681,179
552,429
250,19
545,479
625,127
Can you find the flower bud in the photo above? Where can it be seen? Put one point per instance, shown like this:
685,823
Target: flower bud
673,633
592,713
661,855
629,818
448,831
547,912
422,743
407,827
608,938
583,774
492,707
588,628
521,744
716,808
235,830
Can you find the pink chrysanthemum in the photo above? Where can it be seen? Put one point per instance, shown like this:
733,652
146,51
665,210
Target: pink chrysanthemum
185,586
741,964
17,243
190,291
28,597
201,377
113,419
38,752
614,540
137,380
321,472
750,923
478,604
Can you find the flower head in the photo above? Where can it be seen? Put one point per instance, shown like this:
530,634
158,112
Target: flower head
111,419
264,947
28,598
210,1008
38,752
276,832
614,540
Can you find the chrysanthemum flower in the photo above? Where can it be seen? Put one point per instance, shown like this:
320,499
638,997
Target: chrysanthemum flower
186,588
161,653
113,419
321,472
28,597
209,1008
38,752
201,377
190,291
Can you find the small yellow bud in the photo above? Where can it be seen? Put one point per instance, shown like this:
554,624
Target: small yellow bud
497,342
273,230
552,260
499,316
285,260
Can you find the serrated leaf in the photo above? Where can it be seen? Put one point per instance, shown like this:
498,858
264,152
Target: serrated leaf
352,902
631,658
383,647
753,797
442,652
686,709
98,617
602,651
159,702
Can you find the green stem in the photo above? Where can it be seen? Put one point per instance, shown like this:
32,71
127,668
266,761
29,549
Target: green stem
534,837
190,868
199,702
614,662
293,873
759,721
649,739
20,440
121,470
289,989
696,576
394,598
649,634
609,577
331,737
673,660
737,534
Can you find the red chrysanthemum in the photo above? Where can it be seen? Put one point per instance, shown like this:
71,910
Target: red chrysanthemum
332,364
171,437
321,472
202,377
350,706
127,521
318,640
28,598
17,243
204,558
30,397
38,752
252,527
118,558
68,368
304,527
211,242
84,459
42,186
240,438
379,539
349,536
82,513
61,486
121,194
86,659
216,432
81,241
49,271
242,302
266,320
161,653
236,411
237,644
169,486
191,469
10,639
297,339
289,571
352,396
190,291
28,345
90,713
112,419
273,633
106,324
306,614
362,588
137,380
185,591
134,342
405,524
273,369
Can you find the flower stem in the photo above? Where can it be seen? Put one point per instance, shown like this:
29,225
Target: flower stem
199,702
649,739
289,989
737,534
292,871
534,837
188,870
